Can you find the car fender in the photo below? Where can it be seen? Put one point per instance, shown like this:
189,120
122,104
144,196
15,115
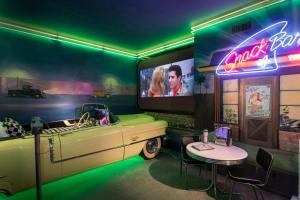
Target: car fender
136,136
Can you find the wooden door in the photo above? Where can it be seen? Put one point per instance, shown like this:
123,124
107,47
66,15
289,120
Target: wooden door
259,111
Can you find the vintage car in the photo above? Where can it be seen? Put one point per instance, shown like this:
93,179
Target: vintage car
73,146
26,91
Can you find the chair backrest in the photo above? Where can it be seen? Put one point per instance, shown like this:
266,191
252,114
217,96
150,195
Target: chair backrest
265,160
187,139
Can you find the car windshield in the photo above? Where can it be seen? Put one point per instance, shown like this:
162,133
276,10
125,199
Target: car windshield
92,109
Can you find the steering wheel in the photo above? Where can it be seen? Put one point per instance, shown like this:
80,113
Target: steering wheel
83,120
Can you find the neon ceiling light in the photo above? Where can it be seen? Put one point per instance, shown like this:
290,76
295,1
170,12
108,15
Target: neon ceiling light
236,13
61,38
265,52
47,35
166,47
152,51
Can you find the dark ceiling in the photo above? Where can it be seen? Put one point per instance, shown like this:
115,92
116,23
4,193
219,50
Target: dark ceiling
134,25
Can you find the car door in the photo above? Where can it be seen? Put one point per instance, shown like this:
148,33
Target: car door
89,148
17,164
17,168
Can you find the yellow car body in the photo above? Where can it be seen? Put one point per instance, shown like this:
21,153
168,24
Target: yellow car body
75,150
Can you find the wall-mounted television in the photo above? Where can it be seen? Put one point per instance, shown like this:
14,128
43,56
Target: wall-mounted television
167,82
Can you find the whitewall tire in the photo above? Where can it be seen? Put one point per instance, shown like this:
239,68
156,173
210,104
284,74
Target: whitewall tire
151,148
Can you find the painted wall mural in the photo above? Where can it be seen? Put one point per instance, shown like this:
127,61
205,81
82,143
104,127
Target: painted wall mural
48,79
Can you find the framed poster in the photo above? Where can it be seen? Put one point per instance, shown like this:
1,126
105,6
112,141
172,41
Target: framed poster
258,102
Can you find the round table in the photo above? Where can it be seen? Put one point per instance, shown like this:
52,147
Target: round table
219,155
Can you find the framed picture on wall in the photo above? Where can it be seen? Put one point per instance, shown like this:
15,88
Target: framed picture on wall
258,101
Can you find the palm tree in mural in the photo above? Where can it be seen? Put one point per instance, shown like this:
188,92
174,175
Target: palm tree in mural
108,91
200,79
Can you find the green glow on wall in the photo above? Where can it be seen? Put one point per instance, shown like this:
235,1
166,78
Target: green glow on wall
110,81
77,186
15,73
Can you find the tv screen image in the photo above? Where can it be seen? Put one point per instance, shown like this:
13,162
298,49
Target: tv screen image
168,80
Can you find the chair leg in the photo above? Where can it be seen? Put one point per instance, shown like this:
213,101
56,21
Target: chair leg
200,170
254,189
186,186
180,167
231,190
261,194
225,184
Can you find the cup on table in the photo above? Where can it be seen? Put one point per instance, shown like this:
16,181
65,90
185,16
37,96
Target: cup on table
205,136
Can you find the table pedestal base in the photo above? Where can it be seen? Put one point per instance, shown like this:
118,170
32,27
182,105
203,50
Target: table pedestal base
212,189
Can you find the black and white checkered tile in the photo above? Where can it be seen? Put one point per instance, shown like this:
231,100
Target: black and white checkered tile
11,128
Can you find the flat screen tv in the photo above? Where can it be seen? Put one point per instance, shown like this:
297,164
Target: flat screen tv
167,82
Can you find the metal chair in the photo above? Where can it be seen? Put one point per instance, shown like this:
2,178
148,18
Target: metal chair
256,180
185,159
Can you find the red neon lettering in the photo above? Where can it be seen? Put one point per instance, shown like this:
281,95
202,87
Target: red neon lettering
256,52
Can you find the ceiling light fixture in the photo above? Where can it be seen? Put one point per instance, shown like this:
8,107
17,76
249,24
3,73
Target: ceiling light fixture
235,13
47,35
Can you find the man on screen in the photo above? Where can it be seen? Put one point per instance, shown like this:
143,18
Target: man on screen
175,81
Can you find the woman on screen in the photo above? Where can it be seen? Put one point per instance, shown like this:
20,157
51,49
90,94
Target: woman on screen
157,86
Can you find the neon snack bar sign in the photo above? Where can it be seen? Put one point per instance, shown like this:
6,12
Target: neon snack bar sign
259,53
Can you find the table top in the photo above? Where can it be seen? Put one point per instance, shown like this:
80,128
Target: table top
226,155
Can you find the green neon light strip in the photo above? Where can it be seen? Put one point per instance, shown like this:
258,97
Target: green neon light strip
184,42
150,52
47,35
236,13
50,36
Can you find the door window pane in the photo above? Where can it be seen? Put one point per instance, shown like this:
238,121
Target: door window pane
230,85
290,102
230,113
288,82
230,98
290,97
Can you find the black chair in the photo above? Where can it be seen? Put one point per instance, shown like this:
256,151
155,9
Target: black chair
185,159
255,178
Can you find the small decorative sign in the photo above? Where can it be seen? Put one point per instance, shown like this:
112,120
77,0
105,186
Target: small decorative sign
258,102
